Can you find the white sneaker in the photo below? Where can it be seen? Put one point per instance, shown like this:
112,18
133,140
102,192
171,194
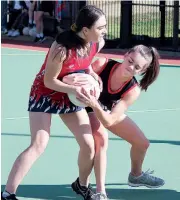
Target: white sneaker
99,196
10,33
15,33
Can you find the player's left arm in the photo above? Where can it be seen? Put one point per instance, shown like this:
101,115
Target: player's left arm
108,119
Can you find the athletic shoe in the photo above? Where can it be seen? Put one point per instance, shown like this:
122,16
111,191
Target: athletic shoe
145,179
85,192
99,196
10,197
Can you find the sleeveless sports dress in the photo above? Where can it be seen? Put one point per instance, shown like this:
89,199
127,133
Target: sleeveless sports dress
43,99
107,98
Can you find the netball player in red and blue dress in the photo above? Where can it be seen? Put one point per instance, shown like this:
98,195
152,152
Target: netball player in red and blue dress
72,51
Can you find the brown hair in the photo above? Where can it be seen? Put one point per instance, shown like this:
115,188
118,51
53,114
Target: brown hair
86,17
152,70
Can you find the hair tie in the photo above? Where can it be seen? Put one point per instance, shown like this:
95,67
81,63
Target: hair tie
151,49
74,27
152,53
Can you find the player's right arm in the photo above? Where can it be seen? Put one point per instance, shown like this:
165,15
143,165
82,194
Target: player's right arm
54,64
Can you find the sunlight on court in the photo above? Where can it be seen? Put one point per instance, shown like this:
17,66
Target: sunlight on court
157,112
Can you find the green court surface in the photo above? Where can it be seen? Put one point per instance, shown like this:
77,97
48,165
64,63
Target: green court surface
157,112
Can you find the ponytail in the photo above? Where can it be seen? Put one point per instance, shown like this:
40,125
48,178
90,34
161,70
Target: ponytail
69,39
152,72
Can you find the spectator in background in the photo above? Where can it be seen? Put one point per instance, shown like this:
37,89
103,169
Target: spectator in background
42,7
30,30
4,10
59,6
19,24
31,7
59,9
16,9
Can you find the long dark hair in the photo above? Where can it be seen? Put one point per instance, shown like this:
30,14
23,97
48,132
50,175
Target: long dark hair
87,16
152,71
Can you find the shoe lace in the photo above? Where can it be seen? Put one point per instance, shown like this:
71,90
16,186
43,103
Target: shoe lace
148,174
89,192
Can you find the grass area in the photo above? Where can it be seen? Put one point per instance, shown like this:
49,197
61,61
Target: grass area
150,24
142,24
146,20
113,27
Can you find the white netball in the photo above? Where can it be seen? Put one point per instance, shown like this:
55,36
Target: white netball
92,85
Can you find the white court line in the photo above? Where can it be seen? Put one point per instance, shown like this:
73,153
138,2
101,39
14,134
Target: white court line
29,54
44,52
25,49
131,111
154,110
16,118
23,54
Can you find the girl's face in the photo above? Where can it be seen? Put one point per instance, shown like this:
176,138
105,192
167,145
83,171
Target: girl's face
134,63
97,31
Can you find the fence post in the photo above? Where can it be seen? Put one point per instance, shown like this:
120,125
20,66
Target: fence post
162,11
126,23
82,4
4,10
175,25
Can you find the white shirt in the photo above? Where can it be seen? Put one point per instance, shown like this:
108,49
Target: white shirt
17,5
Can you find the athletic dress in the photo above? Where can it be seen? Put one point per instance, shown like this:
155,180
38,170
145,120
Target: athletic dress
108,99
43,99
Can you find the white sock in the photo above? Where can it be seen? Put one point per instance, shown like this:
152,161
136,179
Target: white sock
30,21
102,193
6,194
137,176
41,35
83,185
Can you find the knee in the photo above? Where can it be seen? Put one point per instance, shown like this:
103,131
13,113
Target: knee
88,149
101,141
38,16
143,144
39,145
38,148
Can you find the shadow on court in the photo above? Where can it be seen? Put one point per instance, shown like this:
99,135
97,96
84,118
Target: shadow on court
173,142
65,192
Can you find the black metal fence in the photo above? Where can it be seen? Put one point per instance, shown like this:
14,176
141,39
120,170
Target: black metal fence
112,9
150,22
156,22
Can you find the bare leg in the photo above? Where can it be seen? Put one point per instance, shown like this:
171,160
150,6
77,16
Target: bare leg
79,124
39,22
40,129
101,144
130,132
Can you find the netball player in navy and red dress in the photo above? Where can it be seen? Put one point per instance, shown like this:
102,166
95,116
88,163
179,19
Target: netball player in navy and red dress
72,51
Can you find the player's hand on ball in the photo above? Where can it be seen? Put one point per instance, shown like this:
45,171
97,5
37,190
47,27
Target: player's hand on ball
76,79
87,97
